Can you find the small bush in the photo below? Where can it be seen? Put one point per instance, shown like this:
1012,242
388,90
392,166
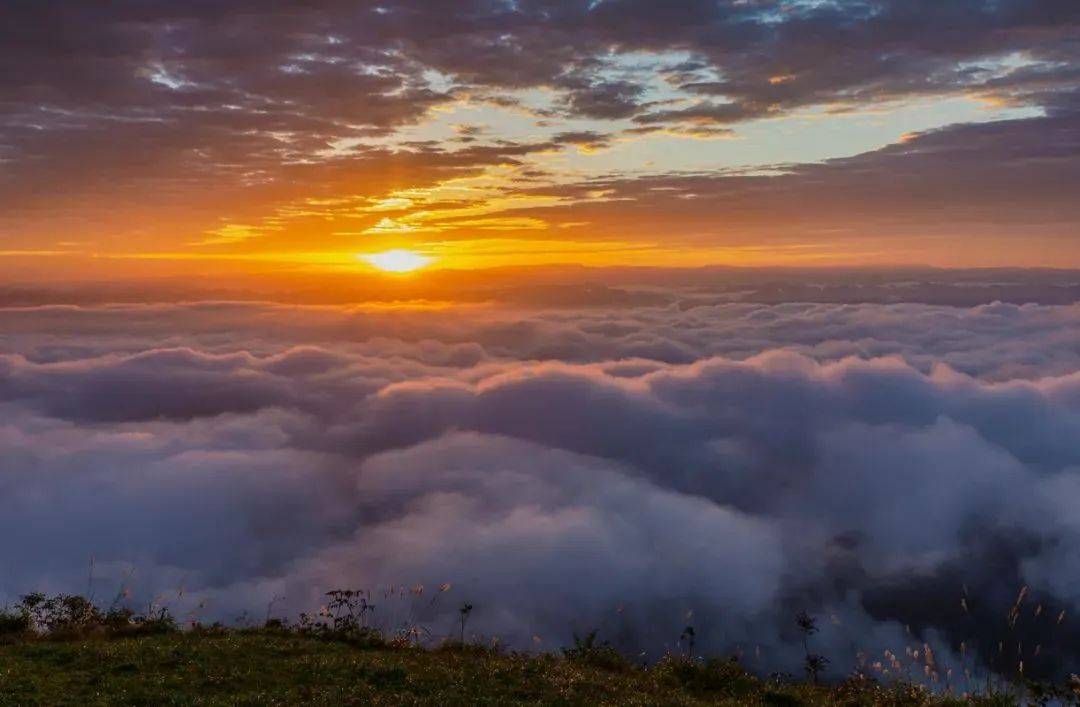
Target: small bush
60,616
599,654
343,620
14,623
160,623
72,616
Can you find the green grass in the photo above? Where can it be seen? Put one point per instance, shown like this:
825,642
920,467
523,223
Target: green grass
276,668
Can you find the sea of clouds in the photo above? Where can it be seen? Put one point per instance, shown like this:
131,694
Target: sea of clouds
634,469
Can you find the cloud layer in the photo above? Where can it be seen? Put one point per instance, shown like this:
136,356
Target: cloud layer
563,469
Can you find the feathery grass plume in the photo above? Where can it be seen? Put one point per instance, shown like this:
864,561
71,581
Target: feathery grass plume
443,589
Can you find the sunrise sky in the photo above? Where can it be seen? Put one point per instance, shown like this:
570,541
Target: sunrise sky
606,313
165,138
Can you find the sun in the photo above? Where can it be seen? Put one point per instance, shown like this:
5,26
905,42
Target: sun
398,260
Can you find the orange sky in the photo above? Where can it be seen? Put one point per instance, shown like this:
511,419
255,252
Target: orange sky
168,152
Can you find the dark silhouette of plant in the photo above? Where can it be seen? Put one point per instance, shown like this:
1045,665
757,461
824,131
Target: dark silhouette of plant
348,609
159,622
690,637
61,613
410,635
69,615
599,654
813,664
270,622
807,625
465,610
14,622
344,618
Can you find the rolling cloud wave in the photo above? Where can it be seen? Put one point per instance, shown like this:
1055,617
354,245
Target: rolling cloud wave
565,470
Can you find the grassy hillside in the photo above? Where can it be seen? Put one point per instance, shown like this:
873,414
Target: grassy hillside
63,650
279,667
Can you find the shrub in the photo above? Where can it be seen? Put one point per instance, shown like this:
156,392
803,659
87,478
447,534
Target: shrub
60,614
73,616
162,622
14,623
344,619
599,654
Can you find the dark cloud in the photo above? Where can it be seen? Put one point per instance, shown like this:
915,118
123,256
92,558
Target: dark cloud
562,468
724,114
195,100
586,139
604,99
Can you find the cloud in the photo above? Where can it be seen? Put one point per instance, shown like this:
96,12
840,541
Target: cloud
1001,183
795,456
186,114
604,100
551,530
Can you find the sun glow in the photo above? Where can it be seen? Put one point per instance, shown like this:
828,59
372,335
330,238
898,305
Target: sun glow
398,260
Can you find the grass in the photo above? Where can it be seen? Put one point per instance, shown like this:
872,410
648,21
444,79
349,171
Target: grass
63,650
275,667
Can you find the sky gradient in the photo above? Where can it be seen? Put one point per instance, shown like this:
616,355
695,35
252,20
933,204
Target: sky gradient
175,138
714,309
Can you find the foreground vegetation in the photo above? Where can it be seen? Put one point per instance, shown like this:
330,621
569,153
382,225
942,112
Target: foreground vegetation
277,667
63,651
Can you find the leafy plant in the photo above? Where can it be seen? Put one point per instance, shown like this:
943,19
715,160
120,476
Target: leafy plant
689,637
813,663
68,615
344,618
